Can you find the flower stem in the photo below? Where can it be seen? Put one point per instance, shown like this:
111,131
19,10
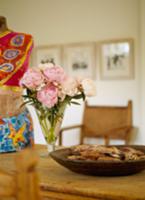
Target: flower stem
51,136
50,124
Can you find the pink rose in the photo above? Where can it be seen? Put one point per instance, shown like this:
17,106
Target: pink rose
70,86
48,95
88,87
32,78
55,74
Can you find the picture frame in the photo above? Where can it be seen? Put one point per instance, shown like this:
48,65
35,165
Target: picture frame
46,53
79,59
117,59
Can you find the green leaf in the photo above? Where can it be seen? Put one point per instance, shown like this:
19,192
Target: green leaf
25,96
74,102
83,96
79,96
26,102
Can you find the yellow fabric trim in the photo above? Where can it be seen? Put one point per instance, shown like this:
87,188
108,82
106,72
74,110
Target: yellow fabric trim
4,33
13,88
20,63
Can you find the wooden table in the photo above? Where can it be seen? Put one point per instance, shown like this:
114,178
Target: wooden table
58,183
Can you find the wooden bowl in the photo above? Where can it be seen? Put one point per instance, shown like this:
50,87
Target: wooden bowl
100,168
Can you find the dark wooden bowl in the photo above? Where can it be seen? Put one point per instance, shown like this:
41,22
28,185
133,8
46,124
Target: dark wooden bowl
100,168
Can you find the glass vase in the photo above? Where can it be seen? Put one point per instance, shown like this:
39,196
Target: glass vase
53,134
50,133
50,124
50,147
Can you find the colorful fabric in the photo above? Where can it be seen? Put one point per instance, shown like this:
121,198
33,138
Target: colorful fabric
16,132
15,49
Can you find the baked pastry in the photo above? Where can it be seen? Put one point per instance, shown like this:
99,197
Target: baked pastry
105,153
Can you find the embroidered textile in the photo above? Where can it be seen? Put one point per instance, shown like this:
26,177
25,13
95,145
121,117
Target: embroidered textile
15,49
16,132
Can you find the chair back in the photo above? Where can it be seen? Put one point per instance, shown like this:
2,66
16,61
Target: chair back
106,121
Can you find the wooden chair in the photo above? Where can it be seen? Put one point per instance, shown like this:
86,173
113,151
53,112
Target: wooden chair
23,184
108,122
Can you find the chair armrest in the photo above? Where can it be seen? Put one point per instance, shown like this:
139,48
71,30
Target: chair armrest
70,127
135,128
66,129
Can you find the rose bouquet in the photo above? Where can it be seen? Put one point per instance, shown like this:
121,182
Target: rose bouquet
49,89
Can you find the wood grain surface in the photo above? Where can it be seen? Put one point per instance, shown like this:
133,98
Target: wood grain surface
58,183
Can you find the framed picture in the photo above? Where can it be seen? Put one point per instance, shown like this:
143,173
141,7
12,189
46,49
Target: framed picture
117,59
45,54
79,59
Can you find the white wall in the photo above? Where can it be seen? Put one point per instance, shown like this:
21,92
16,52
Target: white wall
65,21
142,42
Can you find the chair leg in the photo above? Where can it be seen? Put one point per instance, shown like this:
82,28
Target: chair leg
127,138
126,141
81,137
106,140
60,138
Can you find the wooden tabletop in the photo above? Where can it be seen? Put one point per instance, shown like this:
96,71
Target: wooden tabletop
58,183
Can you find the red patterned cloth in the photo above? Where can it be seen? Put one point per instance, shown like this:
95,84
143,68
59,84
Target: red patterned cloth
15,49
